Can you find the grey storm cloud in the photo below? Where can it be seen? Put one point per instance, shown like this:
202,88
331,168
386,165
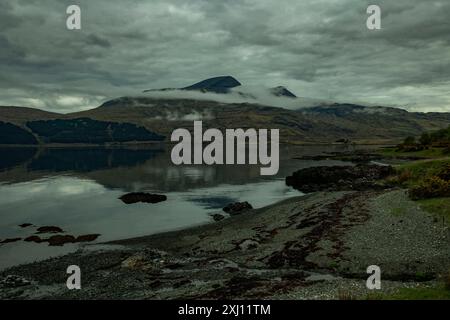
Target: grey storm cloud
317,48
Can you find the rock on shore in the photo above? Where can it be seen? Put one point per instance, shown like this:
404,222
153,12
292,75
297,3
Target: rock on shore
237,208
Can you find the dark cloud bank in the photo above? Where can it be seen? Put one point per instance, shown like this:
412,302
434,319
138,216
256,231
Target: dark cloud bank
318,48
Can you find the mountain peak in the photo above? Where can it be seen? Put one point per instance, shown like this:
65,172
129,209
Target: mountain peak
224,84
281,91
221,84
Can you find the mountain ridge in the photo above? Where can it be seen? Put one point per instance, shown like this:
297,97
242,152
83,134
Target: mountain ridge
150,119
224,85
162,116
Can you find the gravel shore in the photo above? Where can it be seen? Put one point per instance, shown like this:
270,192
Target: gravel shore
313,247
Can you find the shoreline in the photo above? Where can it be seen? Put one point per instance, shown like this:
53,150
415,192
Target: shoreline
312,246
169,143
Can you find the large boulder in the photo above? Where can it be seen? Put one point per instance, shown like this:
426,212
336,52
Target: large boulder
237,208
60,240
339,178
135,197
35,239
218,217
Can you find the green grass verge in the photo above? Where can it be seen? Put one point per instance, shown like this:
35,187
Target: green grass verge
433,293
437,206
417,171
427,153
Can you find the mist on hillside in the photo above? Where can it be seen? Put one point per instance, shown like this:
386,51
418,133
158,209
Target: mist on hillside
242,94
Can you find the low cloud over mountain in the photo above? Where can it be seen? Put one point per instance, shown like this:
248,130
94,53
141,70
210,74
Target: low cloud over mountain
227,89
319,49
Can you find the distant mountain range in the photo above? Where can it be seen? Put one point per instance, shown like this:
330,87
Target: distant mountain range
223,85
150,119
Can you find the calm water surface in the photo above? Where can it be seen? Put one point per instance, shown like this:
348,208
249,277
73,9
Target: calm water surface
77,189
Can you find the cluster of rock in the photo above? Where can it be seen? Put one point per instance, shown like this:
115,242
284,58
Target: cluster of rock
13,281
54,240
60,240
233,209
339,178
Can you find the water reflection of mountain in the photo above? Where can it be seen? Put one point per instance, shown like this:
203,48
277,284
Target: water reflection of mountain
88,160
144,169
73,159
12,157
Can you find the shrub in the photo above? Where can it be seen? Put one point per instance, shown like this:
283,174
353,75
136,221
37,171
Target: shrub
410,147
431,187
401,177
446,150
346,295
425,139
404,175
447,280
409,141
444,173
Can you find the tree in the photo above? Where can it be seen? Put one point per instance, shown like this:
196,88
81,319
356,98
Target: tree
425,139
409,141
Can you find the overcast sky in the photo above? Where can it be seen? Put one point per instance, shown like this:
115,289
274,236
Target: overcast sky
317,48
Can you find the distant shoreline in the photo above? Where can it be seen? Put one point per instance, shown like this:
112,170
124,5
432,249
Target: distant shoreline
164,143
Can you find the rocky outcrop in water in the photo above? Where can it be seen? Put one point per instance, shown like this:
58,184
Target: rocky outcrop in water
60,240
135,197
338,178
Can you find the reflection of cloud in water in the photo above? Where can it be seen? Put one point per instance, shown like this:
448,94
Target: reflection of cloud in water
81,206
205,174
27,252
72,189
145,170
191,174
85,159
44,188
89,203
258,194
